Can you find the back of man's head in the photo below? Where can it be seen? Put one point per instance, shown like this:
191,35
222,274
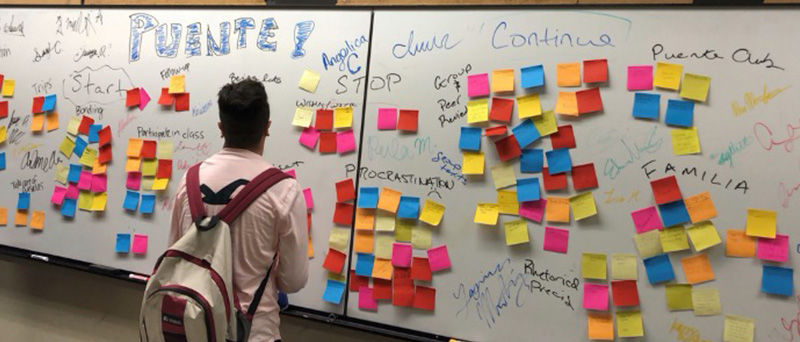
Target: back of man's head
243,112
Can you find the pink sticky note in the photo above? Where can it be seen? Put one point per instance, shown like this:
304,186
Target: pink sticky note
134,180
776,249
478,85
58,195
533,210
144,98
595,296
646,219
139,244
345,142
99,182
556,239
309,199
640,77
309,137
401,255
387,118
291,173
438,258
72,191
365,299
85,181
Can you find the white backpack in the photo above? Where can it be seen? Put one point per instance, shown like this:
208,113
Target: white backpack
190,297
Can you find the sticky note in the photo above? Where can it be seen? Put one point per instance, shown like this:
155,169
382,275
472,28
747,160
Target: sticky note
309,81
679,113
368,197
495,131
640,77
177,84
477,111
342,117
387,118
68,207
623,266
593,265
674,239
3,135
383,246
37,220
24,201
74,175
546,123
554,182
166,99
363,241
345,190
134,180
139,244
58,195
528,106
134,148
72,191
401,254
507,202
507,148
668,75
144,98
309,137
532,160
408,207
85,180
487,213
364,264
625,293
533,210
80,146
600,326
2,160
738,244
148,204
343,214
470,139
37,124
679,296
595,71
472,163
85,199
366,300
477,85
568,74
334,261
556,239
700,207
738,329
365,218
101,163
685,141
567,103
408,120
132,97
327,142
99,202
38,101
420,269
61,173
403,228
382,289
384,221
133,164
3,216
659,269
563,138
501,109
777,280
584,177
89,156
94,133
131,200
705,301
302,117
629,324
163,151
695,87
526,133
532,76
382,268
776,249
697,269
528,189
438,258
181,102
583,206
502,80
3,109
333,291
123,244
402,292
389,200
516,232
703,235
595,296
432,212
646,106
345,142
589,101
761,223
425,298
8,88
646,219
558,161
557,209
503,175
85,124
21,218
666,189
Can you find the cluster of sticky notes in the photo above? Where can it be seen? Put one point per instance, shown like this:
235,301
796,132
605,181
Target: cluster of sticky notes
148,167
390,119
624,293
137,97
45,117
309,81
6,86
124,244
175,94
582,101
338,240
21,217
327,120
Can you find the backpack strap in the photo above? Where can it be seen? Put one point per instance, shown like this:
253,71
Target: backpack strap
193,193
251,310
252,191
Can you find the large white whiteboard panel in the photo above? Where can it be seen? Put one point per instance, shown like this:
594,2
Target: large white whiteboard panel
430,50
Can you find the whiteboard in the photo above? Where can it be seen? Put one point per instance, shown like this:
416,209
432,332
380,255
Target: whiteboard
430,50
89,57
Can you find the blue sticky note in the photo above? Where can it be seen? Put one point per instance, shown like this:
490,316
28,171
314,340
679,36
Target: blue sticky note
532,160
526,133
558,161
646,105
679,113
2,160
123,243
131,200
24,201
408,208
80,145
368,198
659,269
532,76
49,103
528,189
68,207
673,213
333,291
470,139
364,264
74,174
93,129
148,204
777,280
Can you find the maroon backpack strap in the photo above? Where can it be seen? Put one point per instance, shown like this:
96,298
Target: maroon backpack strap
193,192
250,193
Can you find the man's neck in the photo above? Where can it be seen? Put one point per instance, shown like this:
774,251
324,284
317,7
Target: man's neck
259,150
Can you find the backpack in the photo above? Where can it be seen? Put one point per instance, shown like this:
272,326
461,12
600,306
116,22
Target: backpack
190,296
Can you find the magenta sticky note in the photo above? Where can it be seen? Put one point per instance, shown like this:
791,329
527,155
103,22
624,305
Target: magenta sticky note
646,219
134,180
533,210
58,195
139,244
401,255
365,299
478,85
291,173
387,119
345,142
144,98
309,137
438,258
85,181
309,199
595,296
640,77
776,249
556,239
99,182
72,191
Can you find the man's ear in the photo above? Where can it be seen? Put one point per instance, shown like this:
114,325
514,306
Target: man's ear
221,131
266,131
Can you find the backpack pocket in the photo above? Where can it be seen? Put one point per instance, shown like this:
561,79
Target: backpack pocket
178,314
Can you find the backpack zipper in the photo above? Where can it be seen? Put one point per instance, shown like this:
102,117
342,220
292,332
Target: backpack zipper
199,299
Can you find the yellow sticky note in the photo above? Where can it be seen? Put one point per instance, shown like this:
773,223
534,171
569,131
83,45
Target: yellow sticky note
160,183
529,106
62,170
582,205
568,74
339,238
700,207
624,267
52,121
472,163
705,301
421,237
365,218
516,232
648,243
363,241
432,212
600,326
593,266
738,244
37,219
3,135
383,245
668,75
133,164
679,296
674,239
695,87
147,183
21,218
134,147
37,124
503,176
164,149
98,168
3,216
309,81
502,80
546,123
73,125
567,103
99,202
8,88
403,228
384,221
685,141
382,268
487,213
507,202
85,199
302,117
66,147
738,329
342,117
149,167
389,200
337,276
177,84
629,324
557,209
88,157
761,223
478,111
703,235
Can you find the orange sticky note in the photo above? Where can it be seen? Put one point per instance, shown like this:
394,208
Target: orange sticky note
37,219
37,124
21,219
382,268
600,326
52,121
133,164
557,209
3,216
134,147
363,241
365,218
567,103
700,207
568,74
389,200
738,244
310,248
697,269
503,80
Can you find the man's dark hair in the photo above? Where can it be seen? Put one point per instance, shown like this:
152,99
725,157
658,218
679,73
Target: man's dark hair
244,113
